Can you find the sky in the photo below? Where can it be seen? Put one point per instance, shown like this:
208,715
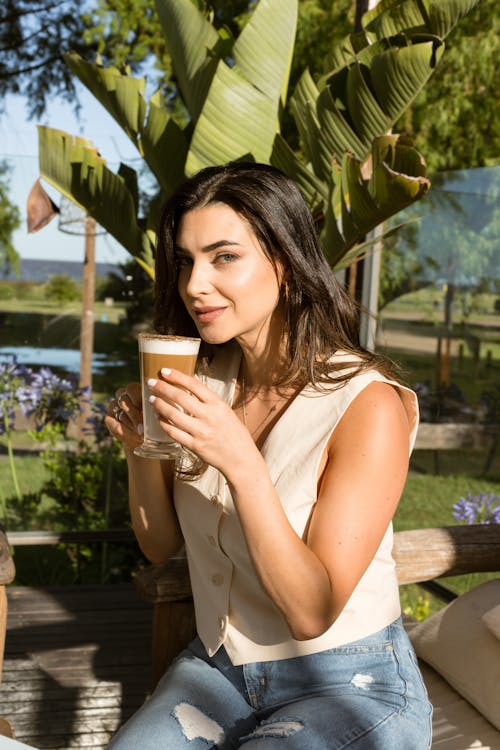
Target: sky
19,146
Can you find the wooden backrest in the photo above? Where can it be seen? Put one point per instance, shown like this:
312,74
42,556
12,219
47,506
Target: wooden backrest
456,436
424,554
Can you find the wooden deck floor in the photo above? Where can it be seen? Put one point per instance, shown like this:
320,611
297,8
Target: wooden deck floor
77,663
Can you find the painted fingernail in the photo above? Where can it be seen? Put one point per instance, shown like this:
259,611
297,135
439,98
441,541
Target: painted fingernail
152,398
152,382
166,371
140,429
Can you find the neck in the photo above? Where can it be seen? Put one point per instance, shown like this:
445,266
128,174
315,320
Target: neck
263,358
261,370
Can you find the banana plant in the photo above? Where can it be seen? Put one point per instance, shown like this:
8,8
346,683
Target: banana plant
356,176
353,174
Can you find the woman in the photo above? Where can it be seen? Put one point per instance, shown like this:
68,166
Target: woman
302,441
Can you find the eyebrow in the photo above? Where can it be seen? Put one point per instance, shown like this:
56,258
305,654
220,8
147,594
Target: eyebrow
208,248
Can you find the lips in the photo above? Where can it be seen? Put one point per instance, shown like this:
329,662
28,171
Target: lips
207,314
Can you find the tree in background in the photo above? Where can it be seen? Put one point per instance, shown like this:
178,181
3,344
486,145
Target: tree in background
10,220
130,285
62,288
456,121
34,34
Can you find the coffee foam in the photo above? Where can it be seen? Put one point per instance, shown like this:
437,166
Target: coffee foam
183,347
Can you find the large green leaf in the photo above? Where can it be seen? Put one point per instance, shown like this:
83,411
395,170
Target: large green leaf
73,166
314,190
121,95
392,17
364,101
238,121
263,51
240,115
438,17
397,180
164,145
303,108
192,42
155,134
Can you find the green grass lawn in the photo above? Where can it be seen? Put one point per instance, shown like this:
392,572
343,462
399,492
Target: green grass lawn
31,475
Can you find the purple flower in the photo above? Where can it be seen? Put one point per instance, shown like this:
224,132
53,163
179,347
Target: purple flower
13,378
483,508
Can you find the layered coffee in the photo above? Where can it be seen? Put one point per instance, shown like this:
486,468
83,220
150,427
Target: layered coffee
156,352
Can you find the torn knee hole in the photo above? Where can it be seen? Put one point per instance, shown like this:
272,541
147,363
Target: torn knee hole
195,724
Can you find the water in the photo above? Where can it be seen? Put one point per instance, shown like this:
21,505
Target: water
67,359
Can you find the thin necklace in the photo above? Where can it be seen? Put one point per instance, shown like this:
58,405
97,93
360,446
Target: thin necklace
270,411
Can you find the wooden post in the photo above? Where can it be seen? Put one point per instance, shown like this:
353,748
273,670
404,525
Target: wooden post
87,322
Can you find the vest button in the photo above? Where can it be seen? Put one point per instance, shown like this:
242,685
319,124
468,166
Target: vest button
222,623
217,579
211,540
215,500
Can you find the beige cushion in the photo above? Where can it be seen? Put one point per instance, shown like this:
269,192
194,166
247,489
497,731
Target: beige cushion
456,725
492,621
457,643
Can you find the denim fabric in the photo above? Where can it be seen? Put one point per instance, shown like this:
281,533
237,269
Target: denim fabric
368,694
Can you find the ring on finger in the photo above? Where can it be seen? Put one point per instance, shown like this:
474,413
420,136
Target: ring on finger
121,400
117,412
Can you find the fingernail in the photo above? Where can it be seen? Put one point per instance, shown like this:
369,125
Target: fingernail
152,398
166,371
140,429
152,382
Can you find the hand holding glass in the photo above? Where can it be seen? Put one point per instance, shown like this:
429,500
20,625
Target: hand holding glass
156,352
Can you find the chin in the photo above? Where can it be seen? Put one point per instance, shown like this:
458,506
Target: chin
211,337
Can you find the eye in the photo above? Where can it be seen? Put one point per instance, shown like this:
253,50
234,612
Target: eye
225,257
182,261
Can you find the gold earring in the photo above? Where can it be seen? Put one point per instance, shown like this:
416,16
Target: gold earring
286,291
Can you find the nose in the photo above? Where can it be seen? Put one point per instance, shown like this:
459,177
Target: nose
195,279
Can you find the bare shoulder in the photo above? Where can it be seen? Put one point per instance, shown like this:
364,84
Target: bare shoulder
377,411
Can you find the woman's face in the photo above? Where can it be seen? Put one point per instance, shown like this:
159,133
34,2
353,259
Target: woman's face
227,283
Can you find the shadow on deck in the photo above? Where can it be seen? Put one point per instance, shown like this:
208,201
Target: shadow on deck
77,663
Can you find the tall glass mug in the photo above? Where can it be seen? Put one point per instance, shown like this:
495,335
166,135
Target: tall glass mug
155,352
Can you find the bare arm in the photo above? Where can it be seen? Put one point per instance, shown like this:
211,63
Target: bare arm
152,511
311,579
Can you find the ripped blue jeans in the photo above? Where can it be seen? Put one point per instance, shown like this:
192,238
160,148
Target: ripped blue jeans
367,694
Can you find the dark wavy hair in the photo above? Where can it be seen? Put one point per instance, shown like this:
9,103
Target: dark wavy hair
320,318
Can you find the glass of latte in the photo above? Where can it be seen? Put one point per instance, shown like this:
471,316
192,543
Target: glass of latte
156,352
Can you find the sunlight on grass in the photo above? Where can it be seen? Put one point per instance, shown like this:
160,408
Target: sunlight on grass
427,500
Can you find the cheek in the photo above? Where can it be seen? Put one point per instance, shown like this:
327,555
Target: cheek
257,283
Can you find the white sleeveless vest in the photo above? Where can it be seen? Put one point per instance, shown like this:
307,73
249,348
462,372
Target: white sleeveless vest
231,606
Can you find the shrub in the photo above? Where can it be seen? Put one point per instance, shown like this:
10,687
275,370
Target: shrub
62,288
6,290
